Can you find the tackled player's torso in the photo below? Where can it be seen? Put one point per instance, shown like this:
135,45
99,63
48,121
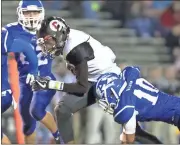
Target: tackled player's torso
104,57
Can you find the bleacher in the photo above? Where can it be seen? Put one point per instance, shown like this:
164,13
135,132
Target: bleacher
127,47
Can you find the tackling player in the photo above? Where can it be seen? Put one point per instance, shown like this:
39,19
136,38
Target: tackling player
90,59
130,98
32,105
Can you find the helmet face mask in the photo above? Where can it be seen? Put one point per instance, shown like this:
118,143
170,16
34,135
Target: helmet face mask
48,46
30,14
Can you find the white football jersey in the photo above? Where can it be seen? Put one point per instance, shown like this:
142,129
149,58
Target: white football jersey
104,56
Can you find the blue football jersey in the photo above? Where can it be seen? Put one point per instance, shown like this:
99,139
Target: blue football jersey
44,64
10,43
4,68
130,93
142,97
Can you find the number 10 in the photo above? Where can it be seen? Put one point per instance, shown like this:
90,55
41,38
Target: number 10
149,87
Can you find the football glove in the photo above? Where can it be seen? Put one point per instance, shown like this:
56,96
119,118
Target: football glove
40,83
30,78
44,83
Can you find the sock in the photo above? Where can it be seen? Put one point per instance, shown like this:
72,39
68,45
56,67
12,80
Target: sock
57,136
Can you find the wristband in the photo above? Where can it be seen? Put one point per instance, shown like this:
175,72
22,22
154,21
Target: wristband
56,85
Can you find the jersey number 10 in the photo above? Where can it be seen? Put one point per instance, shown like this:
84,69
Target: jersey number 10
145,85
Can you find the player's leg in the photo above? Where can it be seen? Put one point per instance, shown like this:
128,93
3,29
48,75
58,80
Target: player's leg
38,111
29,123
65,109
171,108
95,117
145,136
6,101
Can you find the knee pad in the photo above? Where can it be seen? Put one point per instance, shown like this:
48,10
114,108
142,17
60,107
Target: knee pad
29,128
37,112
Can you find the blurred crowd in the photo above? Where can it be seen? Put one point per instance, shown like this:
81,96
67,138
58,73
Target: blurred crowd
149,19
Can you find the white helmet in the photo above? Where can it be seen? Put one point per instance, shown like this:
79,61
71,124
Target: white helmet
30,5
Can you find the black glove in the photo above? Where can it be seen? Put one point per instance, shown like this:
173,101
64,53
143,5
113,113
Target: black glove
40,83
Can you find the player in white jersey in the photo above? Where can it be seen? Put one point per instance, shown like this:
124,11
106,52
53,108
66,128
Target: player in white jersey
90,59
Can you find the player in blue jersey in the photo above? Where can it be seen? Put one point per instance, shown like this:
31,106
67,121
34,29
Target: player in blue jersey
131,98
32,105
13,46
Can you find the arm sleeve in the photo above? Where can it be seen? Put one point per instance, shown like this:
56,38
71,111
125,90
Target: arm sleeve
81,86
130,126
20,45
123,115
79,56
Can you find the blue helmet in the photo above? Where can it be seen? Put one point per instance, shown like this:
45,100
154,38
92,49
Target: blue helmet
108,89
30,22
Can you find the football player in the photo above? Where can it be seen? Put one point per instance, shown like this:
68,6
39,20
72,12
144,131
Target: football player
89,58
16,46
23,34
131,98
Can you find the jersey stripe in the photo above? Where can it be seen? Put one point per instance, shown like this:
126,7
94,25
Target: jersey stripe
128,106
5,40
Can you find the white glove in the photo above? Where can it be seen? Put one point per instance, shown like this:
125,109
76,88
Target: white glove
30,79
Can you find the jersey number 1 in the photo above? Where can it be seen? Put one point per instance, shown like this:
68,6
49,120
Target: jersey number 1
147,86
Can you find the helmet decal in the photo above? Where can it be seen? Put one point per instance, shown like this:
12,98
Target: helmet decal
54,25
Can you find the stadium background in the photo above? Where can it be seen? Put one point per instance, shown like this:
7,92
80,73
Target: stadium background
144,33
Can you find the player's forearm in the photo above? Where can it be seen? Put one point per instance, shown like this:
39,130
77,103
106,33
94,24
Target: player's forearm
70,88
20,45
80,87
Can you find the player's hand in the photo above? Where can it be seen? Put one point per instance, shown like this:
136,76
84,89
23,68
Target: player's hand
40,83
30,79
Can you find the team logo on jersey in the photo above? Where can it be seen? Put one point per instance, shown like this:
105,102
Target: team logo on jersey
54,23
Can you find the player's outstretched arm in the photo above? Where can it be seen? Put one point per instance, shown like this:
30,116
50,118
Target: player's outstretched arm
127,117
80,87
20,45
78,57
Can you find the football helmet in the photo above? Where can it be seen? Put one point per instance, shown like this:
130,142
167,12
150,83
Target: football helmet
52,35
107,91
30,22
